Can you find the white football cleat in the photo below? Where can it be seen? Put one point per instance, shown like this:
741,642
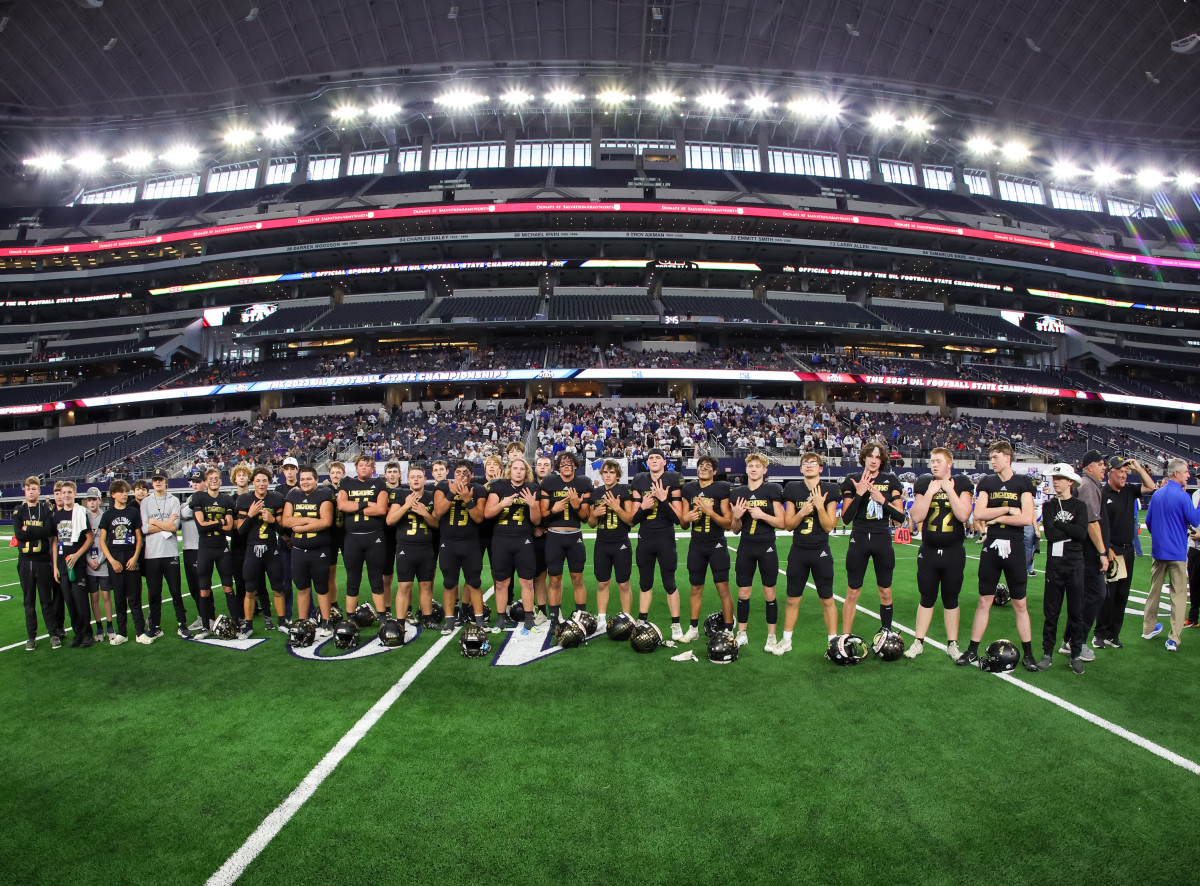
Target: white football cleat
742,639
771,643
915,649
690,635
783,646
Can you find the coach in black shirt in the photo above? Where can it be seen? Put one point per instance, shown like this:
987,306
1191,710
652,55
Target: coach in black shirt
1126,480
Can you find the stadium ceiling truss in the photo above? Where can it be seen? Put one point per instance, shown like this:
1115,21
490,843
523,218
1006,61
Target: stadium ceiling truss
1069,74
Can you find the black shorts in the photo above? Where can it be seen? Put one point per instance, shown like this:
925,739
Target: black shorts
706,554
610,557
1013,568
263,563
363,549
940,568
513,555
461,556
97,583
565,547
539,554
804,563
657,548
760,557
337,543
876,548
417,562
206,559
310,569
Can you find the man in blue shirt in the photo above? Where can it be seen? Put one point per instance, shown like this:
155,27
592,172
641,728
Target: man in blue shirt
1169,518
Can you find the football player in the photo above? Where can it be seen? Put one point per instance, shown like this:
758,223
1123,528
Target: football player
121,544
707,513
565,498
391,481
870,501
337,532
308,512
33,527
757,511
1004,503
942,508
411,510
239,476
658,496
458,505
289,469
611,515
543,467
514,505
258,514
811,514
213,511
364,500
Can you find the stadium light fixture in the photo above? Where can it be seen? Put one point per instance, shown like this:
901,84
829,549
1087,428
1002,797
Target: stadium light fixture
813,107
663,98
613,97
181,155
46,162
88,161
1105,175
1014,150
883,121
277,132
714,101
980,145
459,99
1065,170
1186,179
346,113
138,158
562,96
1149,179
917,125
239,136
758,104
517,97
383,109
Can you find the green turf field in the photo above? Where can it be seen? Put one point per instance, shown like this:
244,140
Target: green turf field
156,764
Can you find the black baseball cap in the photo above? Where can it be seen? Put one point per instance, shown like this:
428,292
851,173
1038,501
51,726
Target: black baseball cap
158,475
1118,462
196,476
1091,457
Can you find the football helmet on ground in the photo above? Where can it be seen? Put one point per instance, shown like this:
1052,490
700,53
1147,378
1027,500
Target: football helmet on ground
846,649
473,642
620,626
645,637
722,648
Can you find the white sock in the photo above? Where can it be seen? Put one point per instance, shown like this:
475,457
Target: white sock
787,636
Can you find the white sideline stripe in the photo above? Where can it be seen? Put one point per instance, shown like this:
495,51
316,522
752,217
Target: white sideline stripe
273,823
1119,731
66,628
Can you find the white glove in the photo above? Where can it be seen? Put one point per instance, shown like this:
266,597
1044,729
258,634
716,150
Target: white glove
1001,546
685,656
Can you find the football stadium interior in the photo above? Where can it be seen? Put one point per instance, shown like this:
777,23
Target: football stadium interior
251,231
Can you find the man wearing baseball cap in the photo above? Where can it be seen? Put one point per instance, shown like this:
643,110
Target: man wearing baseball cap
1066,526
1126,480
1095,547
1169,517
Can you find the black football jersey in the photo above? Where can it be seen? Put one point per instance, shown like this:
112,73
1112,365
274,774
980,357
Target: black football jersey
717,491
214,509
412,528
765,496
553,490
309,507
810,533
364,492
610,527
456,524
514,520
870,516
1005,494
261,532
656,520
941,527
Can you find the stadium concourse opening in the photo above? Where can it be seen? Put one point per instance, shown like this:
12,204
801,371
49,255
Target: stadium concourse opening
404,410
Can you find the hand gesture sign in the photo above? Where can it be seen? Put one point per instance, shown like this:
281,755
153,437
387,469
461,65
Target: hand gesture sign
739,509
